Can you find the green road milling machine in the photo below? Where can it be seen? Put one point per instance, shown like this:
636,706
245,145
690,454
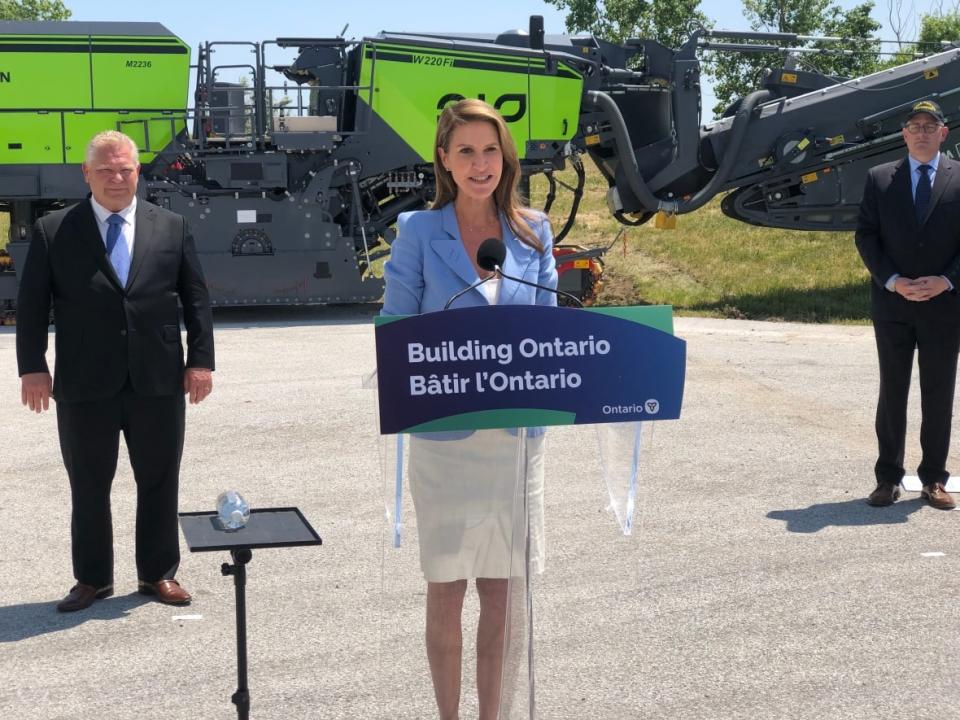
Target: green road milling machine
293,200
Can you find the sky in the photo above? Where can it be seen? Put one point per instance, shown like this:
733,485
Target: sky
195,22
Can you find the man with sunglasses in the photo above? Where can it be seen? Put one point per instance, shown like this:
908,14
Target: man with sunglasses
114,270
908,234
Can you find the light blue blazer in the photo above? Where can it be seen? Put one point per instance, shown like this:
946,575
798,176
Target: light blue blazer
428,265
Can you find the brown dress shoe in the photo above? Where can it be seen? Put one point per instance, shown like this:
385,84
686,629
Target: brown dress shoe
885,494
167,591
82,596
938,496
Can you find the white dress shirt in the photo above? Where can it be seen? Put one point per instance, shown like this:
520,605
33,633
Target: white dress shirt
491,289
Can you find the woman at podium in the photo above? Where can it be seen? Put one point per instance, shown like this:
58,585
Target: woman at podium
464,483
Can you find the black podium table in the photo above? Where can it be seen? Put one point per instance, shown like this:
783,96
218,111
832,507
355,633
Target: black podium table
266,528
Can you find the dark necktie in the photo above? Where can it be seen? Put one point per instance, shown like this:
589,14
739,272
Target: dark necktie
117,248
922,201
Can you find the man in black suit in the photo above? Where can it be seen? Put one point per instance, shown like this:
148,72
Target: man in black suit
113,269
908,235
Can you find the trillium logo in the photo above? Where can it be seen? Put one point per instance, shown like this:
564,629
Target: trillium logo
652,406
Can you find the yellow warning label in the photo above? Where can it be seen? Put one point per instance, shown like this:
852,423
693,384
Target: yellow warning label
581,264
592,139
808,178
788,78
931,73
665,221
802,145
836,140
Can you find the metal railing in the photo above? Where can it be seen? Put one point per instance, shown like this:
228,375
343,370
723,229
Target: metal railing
264,105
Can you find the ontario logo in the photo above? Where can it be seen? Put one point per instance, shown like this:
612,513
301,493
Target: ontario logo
647,407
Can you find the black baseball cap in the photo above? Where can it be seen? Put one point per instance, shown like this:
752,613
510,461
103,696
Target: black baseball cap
926,106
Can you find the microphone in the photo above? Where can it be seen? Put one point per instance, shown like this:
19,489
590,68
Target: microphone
494,252
490,255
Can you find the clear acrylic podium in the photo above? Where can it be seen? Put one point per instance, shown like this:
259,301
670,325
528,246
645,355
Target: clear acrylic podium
495,536
463,502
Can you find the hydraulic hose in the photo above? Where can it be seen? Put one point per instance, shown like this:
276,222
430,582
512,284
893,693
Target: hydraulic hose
628,158
738,130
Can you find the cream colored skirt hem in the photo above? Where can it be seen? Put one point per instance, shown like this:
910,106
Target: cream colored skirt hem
464,493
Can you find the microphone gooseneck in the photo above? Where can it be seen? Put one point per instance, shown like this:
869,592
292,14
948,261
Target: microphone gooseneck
495,252
490,256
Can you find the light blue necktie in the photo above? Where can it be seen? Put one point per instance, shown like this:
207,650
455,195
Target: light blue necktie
117,248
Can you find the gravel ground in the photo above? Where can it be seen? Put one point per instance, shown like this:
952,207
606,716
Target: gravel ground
757,583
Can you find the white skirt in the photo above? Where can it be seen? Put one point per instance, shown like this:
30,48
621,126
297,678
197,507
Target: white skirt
464,495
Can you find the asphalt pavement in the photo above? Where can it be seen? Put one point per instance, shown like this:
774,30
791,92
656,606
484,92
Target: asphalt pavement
757,582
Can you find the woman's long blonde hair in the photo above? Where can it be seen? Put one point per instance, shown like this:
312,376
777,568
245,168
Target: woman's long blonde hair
505,197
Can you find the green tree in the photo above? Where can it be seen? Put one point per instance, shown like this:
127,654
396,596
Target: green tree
33,10
859,52
666,21
856,54
935,29
802,18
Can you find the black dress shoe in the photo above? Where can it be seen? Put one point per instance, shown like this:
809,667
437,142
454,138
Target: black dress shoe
82,596
885,494
937,496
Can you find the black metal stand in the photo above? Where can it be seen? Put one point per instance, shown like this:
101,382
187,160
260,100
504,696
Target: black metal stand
241,556
266,528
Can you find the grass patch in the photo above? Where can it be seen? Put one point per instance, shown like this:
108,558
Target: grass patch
713,266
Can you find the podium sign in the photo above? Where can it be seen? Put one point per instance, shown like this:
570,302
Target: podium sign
509,366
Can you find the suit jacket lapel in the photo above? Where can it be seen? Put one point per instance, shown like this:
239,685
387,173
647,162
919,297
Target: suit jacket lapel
518,259
142,238
88,230
901,190
449,248
940,182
